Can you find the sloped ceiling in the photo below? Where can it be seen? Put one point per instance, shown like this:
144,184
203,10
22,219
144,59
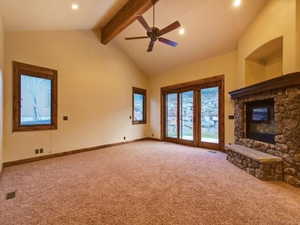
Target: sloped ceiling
57,14
212,26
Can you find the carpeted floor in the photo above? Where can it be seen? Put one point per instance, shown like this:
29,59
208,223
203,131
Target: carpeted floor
144,183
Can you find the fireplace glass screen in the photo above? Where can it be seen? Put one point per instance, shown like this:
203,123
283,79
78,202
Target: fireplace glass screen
260,121
260,114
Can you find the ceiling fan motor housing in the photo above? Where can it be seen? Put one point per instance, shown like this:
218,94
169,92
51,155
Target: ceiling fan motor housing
154,34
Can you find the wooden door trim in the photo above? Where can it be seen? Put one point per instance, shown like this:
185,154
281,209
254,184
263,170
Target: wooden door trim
179,121
196,86
192,84
199,132
221,144
178,115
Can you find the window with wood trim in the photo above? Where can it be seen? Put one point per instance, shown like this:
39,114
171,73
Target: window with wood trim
139,102
34,98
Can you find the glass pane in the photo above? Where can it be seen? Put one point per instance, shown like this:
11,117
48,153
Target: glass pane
187,115
172,115
35,101
210,115
138,107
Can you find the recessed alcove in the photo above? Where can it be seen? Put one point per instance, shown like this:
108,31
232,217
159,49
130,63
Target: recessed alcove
265,62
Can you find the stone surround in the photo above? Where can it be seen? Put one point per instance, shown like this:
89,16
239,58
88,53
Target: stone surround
287,118
261,165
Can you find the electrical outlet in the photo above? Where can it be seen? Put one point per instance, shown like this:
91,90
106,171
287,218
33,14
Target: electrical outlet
41,150
37,151
231,117
65,118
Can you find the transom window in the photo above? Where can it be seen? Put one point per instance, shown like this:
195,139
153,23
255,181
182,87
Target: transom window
35,98
139,106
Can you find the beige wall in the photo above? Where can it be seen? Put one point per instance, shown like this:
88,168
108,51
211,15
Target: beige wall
95,81
256,71
225,64
273,67
94,89
1,88
298,34
277,19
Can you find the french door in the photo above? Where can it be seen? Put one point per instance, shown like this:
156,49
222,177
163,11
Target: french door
194,114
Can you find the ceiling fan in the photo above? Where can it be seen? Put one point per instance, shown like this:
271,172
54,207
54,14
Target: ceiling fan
155,33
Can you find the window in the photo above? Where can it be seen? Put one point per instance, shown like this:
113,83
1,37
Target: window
35,98
172,118
139,106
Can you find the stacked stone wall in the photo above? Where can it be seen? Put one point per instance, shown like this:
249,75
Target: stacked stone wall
287,140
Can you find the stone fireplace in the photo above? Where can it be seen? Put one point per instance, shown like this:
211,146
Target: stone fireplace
267,119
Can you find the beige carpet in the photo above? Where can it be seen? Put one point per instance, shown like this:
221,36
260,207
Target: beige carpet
144,183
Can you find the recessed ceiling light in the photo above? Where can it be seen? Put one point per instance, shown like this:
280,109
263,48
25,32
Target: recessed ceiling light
181,31
75,6
237,3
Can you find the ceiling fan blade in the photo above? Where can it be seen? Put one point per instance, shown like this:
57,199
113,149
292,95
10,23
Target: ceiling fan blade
144,23
134,38
168,42
170,28
151,45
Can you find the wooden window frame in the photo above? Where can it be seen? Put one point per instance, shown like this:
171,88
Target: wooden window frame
38,72
196,85
143,92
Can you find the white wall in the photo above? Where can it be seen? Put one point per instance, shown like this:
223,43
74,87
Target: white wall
1,88
94,89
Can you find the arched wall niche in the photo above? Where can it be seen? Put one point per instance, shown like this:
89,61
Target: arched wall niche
265,62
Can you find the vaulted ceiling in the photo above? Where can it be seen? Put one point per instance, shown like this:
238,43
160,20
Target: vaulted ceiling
212,26
57,14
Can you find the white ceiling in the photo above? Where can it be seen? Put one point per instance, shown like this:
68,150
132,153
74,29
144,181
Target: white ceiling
212,26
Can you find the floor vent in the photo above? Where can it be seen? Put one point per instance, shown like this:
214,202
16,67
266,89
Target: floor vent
214,152
10,195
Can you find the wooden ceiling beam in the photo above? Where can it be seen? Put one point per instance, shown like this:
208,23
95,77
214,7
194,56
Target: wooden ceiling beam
124,17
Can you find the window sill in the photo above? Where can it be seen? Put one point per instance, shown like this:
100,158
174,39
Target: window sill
34,128
138,122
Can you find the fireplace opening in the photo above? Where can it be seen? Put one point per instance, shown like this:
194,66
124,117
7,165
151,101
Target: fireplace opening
260,121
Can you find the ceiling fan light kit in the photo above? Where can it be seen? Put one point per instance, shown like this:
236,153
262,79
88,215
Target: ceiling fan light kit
155,34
